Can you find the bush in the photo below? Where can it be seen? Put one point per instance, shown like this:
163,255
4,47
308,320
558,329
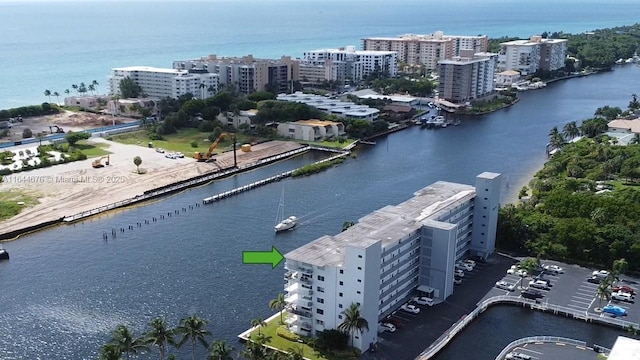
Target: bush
155,136
194,144
26,133
334,340
284,333
4,133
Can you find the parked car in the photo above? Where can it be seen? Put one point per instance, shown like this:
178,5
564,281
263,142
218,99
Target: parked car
594,280
539,284
425,301
160,150
532,294
457,280
387,327
470,262
459,273
410,308
515,271
614,310
516,355
622,296
464,267
624,288
505,285
553,269
601,274
180,155
170,156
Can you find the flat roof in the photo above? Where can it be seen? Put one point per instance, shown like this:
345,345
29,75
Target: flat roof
395,98
387,225
316,122
151,69
625,349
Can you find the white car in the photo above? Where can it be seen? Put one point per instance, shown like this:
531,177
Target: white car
553,269
180,155
505,285
470,262
160,150
424,301
463,266
457,281
622,296
170,156
539,284
410,308
459,273
387,327
513,270
601,274
516,355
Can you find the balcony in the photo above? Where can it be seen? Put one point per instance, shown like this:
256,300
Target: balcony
294,310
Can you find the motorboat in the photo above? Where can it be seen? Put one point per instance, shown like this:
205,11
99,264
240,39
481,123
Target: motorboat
4,254
286,224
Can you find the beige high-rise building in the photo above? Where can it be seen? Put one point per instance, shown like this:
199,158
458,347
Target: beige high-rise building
529,56
427,49
247,74
467,77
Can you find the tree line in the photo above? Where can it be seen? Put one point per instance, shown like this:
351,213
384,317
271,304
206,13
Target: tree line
584,204
192,332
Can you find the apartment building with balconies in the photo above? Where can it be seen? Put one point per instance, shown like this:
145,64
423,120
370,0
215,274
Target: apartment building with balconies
389,255
468,77
427,49
348,64
529,56
162,82
247,74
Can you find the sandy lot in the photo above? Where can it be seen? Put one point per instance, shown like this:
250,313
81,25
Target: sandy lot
67,120
68,189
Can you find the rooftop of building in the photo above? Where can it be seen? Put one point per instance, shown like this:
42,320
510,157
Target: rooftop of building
631,125
317,122
625,348
151,69
509,73
534,40
352,50
395,98
248,59
435,36
328,104
387,225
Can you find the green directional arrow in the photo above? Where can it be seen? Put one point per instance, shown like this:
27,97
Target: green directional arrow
273,257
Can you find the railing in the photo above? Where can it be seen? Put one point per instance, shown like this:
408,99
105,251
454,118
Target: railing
444,339
544,339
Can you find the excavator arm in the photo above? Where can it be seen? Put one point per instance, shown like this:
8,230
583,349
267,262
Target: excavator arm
206,156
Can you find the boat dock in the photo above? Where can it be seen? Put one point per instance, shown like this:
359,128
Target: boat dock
253,185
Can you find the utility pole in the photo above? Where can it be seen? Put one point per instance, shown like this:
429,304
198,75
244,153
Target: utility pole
235,161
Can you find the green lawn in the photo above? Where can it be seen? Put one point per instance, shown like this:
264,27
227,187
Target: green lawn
284,344
9,203
178,142
93,149
331,144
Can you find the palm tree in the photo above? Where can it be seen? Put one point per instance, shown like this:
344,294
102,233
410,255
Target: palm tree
570,130
259,322
48,93
110,352
75,87
194,330
254,349
220,351
202,86
91,88
603,292
57,95
295,353
211,90
160,335
95,85
67,92
620,266
82,89
126,342
278,304
353,321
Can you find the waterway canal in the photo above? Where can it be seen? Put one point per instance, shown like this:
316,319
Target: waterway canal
64,289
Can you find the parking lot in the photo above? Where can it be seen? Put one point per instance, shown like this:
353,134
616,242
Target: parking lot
572,290
415,332
552,351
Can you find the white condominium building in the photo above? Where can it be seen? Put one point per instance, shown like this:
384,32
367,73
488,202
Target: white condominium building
341,109
351,64
247,74
389,255
162,83
427,49
529,56
467,78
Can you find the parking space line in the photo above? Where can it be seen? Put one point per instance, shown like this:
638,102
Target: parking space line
590,293
583,298
577,306
529,350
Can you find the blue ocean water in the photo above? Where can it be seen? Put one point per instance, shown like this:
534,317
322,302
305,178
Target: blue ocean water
52,44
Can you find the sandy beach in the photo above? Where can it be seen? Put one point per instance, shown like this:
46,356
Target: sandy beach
68,189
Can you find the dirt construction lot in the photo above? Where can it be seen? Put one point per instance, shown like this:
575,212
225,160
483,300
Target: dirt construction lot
67,120
68,189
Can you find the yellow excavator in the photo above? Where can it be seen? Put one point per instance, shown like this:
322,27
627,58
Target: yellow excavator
97,163
208,155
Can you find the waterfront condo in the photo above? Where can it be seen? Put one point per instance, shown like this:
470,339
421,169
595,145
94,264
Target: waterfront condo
389,255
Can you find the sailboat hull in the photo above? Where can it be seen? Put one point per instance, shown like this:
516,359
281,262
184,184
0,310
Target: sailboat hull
286,224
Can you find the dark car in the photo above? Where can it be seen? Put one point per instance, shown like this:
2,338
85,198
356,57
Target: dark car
532,294
594,280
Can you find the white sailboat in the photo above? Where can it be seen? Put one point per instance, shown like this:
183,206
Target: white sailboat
283,223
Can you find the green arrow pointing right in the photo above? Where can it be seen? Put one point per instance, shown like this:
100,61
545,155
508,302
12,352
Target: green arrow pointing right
273,257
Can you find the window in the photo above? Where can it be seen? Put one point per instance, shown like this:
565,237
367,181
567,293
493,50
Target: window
341,283
340,294
320,311
341,271
320,300
340,317
359,256
339,306
319,322
360,268
320,277
358,292
359,280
